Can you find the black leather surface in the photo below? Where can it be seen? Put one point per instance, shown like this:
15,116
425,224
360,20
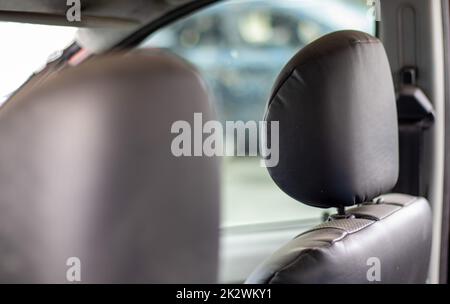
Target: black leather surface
339,147
86,171
336,106
339,251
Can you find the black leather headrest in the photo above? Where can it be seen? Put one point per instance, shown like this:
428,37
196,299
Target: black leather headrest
335,104
87,171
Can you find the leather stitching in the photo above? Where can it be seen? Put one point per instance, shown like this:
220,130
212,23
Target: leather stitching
351,43
305,252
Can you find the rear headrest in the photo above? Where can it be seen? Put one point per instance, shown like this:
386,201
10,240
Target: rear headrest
335,104
87,173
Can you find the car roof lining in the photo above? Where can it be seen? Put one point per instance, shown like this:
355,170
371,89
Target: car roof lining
52,19
140,11
104,23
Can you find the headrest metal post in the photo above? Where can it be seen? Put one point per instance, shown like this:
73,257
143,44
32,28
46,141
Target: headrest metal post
341,211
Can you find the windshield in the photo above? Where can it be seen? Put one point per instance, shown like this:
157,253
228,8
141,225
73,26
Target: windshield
25,49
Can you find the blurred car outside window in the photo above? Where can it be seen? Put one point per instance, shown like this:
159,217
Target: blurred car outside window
240,47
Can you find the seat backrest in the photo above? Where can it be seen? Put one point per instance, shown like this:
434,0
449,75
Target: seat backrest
87,172
338,141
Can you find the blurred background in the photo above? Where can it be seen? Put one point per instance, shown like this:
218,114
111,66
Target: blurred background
240,47
26,48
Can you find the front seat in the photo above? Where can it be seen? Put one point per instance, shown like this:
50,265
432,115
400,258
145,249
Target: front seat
90,190
338,143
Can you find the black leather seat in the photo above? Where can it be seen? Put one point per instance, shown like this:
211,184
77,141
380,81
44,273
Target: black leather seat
86,171
335,104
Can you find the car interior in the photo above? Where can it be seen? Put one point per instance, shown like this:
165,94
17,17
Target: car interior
351,97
